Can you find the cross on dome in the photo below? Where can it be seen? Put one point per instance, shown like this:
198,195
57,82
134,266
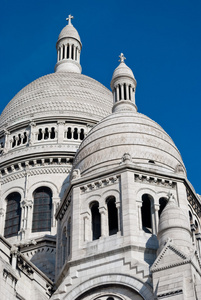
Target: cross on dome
122,57
69,19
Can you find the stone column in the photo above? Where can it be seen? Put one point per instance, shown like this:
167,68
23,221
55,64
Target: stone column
87,234
65,51
156,209
70,50
117,91
60,130
139,206
122,92
2,220
198,238
127,92
74,50
61,52
118,206
7,144
104,221
55,202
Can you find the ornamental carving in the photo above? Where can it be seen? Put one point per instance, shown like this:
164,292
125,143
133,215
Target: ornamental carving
99,184
154,180
194,202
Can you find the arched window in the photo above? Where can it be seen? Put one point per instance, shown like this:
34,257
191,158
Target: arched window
72,52
14,142
75,134
96,221
81,134
13,215
112,215
52,134
42,209
46,134
68,51
69,236
190,217
146,213
40,135
25,138
69,133
125,98
120,95
163,202
64,246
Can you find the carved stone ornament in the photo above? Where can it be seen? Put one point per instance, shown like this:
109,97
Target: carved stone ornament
76,174
179,169
126,158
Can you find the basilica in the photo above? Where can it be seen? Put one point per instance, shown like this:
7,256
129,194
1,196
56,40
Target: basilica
95,203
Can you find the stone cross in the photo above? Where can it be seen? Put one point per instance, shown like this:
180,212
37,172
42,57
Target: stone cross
69,19
122,57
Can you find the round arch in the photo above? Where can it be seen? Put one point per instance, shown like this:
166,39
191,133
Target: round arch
50,185
111,279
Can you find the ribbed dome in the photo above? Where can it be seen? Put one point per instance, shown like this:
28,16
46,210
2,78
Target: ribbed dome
127,132
59,94
122,70
70,32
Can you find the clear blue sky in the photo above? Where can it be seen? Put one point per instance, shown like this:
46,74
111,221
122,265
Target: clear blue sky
161,40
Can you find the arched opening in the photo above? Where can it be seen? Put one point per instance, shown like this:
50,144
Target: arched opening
190,217
76,53
112,215
72,52
196,227
146,213
115,94
13,215
64,244
25,138
19,140
68,51
96,221
63,51
69,133
42,209
40,135
125,92
52,134
163,202
46,134
81,134
129,92
14,142
120,95
75,134
69,236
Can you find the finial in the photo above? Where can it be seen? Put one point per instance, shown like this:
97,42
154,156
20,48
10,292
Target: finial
69,19
122,57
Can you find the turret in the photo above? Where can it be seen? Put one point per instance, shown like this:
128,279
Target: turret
68,49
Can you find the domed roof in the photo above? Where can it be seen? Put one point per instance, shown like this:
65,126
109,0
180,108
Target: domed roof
122,70
59,94
127,132
70,32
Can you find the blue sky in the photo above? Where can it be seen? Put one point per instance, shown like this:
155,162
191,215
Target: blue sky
161,40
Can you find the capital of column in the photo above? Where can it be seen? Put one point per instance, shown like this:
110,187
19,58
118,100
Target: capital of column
102,210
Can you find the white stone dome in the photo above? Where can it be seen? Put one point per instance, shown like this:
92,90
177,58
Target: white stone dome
127,132
122,70
70,32
59,95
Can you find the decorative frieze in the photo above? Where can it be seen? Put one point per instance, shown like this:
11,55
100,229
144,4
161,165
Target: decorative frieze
194,202
154,180
99,184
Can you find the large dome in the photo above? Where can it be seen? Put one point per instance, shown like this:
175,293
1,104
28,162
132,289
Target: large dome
127,132
56,95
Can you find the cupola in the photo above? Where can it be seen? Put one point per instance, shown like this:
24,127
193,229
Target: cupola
123,87
174,225
68,49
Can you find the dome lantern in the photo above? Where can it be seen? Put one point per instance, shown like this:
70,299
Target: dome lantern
68,49
123,87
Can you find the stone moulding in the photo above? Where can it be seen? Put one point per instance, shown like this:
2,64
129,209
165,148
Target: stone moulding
99,184
154,180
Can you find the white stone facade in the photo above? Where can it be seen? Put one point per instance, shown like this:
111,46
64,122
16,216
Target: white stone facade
123,223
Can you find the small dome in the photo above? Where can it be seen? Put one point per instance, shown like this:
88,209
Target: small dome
174,224
69,31
127,132
122,71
